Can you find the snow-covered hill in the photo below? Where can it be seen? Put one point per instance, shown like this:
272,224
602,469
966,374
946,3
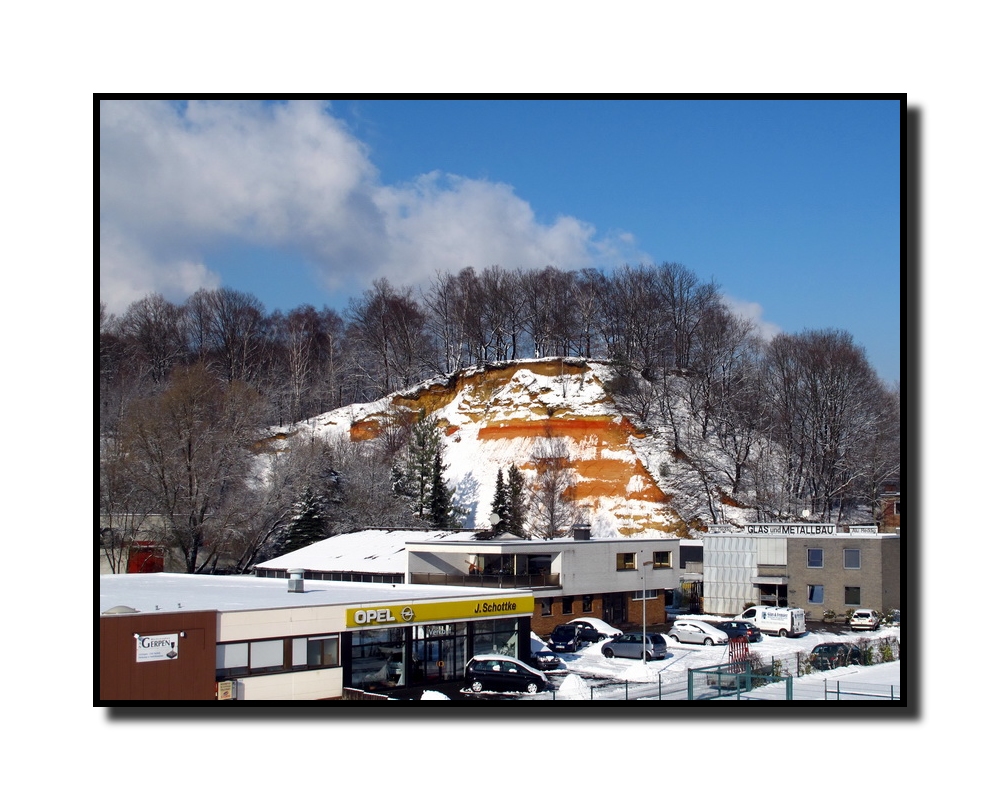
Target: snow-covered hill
519,413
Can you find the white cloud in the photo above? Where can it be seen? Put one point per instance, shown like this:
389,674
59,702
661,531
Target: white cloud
178,181
753,312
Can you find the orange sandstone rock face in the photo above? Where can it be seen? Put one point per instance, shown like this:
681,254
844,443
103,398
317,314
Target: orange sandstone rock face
515,411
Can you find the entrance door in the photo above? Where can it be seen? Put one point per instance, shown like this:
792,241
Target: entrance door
614,608
439,654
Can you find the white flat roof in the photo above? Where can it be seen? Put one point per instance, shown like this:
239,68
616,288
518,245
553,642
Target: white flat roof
166,591
374,550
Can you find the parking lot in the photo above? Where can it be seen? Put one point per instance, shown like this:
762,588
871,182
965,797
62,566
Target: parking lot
588,675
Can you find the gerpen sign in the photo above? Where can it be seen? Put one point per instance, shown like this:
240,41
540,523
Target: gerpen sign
158,647
420,614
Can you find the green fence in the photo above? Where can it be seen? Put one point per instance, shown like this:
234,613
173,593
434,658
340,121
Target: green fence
732,681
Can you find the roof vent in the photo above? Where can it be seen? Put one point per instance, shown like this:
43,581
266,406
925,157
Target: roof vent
121,610
581,532
295,582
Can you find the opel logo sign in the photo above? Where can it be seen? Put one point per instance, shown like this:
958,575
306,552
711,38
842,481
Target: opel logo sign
407,614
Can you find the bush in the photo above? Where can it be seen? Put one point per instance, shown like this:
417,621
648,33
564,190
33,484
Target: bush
829,615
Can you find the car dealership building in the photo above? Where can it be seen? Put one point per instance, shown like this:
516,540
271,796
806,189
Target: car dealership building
169,637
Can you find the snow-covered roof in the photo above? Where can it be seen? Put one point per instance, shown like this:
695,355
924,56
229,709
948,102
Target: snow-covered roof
165,591
375,550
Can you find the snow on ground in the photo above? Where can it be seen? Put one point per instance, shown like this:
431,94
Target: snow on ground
668,677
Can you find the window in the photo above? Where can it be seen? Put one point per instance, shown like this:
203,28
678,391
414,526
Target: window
588,603
814,557
267,656
814,594
625,561
852,595
662,560
567,605
233,659
545,603
319,651
852,559
651,594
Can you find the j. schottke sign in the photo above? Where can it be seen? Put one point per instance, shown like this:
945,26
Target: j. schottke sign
158,647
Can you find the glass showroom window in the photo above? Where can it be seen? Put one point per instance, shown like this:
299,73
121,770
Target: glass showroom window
852,595
376,657
852,559
625,561
814,557
495,636
814,594
662,560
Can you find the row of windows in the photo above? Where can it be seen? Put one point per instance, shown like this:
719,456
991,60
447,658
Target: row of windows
661,560
233,659
814,558
852,594
587,601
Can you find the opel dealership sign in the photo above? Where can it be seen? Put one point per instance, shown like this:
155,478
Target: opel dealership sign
423,613
158,647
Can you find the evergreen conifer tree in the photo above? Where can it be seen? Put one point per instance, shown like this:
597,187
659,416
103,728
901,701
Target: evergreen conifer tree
500,505
515,501
442,510
309,522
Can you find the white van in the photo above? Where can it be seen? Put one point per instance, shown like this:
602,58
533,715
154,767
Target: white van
771,619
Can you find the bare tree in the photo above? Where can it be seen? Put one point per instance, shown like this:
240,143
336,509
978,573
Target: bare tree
552,492
192,446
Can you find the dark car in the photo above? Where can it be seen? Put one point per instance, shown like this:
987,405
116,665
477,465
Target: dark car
587,632
831,655
496,673
565,639
545,661
738,628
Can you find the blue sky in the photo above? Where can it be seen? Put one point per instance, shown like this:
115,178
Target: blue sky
791,206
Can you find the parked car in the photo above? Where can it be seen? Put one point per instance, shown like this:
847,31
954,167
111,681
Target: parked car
694,631
565,639
831,655
630,645
864,619
546,661
496,673
594,627
735,628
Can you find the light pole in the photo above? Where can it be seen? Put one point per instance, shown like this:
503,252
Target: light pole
643,565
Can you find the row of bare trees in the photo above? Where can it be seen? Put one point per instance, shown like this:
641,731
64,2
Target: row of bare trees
307,360
800,423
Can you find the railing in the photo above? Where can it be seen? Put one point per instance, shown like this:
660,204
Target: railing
487,581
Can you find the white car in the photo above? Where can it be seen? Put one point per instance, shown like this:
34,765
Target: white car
693,631
865,619
589,624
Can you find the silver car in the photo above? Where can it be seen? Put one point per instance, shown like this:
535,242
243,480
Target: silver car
693,631
629,645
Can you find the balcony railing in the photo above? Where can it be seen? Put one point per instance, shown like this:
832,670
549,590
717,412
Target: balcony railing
487,581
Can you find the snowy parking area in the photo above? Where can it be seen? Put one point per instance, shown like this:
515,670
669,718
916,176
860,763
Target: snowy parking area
589,675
